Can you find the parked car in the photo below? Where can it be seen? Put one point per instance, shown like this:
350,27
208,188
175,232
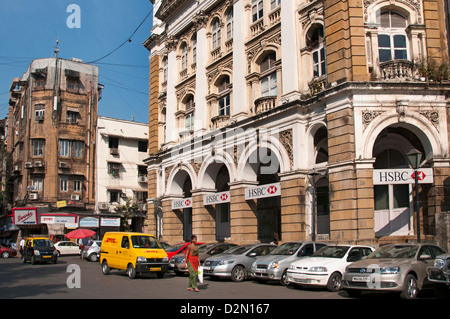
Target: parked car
37,249
439,275
394,268
275,265
67,248
326,266
92,250
164,244
235,263
204,251
7,252
177,249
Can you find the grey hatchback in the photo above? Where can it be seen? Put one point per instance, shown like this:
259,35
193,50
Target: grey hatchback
235,263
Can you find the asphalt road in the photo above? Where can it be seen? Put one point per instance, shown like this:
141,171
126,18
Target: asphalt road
53,282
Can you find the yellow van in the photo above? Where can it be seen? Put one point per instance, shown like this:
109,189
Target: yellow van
134,252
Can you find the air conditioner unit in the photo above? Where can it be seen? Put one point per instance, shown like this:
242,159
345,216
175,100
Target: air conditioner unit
39,118
38,164
123,194
16,168
28,165
103,206
142,179
63,165
75,197
114,151
33,196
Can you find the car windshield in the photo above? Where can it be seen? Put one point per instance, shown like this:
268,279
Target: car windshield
286,249
397,251
42,243
145,242
204,248
174,247
237,250
331,252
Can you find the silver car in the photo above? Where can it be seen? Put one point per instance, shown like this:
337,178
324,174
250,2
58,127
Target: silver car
91,251
393,268
177,262
235,263
275,265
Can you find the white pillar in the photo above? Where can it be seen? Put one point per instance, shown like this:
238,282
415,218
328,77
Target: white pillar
171,106
201,86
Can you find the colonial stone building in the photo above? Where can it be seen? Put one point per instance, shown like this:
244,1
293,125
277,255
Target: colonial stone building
273,118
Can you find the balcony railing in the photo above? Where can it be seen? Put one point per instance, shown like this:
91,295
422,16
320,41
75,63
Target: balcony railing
265,103
397,70
220,121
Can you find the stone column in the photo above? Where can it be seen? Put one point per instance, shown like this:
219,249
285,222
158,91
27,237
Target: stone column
243,219
203,217
172,222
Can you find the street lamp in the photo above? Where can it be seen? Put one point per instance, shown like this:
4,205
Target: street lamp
414,158
314,177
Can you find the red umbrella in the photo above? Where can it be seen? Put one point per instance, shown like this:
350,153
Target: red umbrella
80,233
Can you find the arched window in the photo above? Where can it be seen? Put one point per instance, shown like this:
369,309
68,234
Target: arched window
229,24
224,97
194,48
318,52
184,56
189,115
392,40
268,75
164,63
216,34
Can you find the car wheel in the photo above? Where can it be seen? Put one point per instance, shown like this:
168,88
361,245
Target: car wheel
238,274
5,254
58,253
410,289
131,272
284,279
334,282
105,268
93,257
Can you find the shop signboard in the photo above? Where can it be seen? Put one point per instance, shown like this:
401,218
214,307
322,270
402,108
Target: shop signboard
110,221
182,203
89,222
216,198
263,191
402,176
24,216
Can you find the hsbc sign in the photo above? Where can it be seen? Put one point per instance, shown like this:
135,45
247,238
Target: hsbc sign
217,198
263,191
402,176
182,203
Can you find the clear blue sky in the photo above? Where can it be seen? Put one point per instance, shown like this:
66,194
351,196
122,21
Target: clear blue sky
29,28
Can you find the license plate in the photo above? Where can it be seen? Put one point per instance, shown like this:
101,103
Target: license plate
206,268
261,271
46,256
155,269
360,279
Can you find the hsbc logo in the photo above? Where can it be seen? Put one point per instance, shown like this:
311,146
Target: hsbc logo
263,191
182,203
217,198
402,176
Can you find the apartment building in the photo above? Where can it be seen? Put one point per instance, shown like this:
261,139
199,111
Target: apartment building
273,118
121,174
51,134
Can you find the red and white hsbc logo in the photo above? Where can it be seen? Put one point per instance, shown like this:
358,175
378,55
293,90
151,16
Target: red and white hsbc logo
182,203
217,198
402,176
263,191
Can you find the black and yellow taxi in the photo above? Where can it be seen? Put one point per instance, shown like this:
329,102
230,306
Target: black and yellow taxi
39,249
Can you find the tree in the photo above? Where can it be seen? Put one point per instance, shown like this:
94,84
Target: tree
127,211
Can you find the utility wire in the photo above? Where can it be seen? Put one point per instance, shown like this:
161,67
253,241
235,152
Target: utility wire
127,40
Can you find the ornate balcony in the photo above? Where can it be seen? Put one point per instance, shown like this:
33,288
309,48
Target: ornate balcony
397,70
265,103
220,121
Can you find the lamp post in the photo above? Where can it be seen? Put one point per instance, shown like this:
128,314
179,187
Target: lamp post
414,157
314,176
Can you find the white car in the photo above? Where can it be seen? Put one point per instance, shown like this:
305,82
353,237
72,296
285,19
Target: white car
326,266
67,248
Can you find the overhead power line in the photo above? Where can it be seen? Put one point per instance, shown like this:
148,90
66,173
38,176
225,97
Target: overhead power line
127,40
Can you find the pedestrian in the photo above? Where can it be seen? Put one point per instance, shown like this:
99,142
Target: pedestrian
21,245
192,262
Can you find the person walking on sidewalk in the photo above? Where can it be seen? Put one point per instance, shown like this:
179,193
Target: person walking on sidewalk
192,262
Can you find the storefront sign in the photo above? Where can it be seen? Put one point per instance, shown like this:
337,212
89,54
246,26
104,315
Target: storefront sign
182,203
58,219
89,222
217,198
263,191
110,221
402,176
24,216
